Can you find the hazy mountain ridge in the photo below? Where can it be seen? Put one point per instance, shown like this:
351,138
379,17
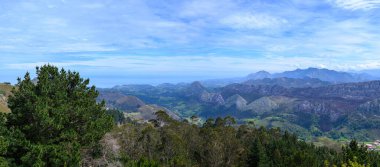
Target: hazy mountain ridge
354,91
130,104
325,76
115,99
289,82
302,104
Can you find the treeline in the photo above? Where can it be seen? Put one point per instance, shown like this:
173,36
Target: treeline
167,142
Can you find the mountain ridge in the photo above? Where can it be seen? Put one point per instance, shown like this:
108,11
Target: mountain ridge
325,75
327,109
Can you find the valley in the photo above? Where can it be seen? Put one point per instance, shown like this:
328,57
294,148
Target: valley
308,107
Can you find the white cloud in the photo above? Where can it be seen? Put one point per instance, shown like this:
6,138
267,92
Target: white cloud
83,47
93,5
305,33
357,4
252,21
206,8
347,39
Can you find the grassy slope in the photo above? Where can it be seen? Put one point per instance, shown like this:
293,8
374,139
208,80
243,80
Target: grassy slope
4,91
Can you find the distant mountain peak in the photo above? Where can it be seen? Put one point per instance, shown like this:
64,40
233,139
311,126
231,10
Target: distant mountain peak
259,75
315,68
195,89
322,74
262,72
197,85
237,101
289,82
311,69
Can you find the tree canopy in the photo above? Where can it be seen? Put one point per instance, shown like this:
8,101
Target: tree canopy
221,142
54,117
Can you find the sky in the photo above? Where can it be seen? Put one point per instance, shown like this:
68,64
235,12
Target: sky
115,42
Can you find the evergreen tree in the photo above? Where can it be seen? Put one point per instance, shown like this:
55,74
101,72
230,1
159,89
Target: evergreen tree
55,118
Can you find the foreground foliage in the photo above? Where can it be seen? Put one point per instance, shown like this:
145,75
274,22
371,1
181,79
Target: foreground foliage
167,142
52,121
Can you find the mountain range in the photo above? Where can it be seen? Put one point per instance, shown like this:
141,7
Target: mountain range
325,75
310,102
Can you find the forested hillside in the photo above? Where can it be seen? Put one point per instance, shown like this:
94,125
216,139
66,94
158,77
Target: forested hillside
220,142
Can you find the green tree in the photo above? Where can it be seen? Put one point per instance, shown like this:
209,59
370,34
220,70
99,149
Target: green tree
117,115
56,118
4,142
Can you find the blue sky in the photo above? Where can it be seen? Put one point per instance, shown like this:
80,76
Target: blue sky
152,41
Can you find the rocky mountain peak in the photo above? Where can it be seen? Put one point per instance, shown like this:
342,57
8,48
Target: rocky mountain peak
236,100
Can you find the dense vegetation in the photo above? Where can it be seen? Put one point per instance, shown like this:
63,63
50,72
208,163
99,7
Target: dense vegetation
56,121
167,142
52,121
